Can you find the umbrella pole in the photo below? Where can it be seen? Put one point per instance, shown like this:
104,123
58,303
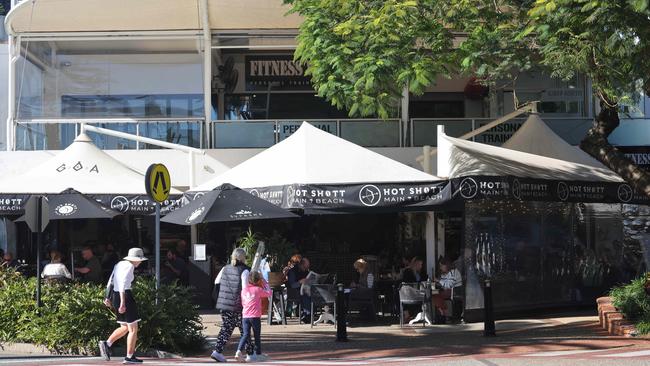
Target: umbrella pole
157,249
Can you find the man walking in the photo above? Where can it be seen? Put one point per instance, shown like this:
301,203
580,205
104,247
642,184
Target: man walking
126,310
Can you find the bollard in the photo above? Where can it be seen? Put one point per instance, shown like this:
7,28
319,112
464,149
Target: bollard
341,311
488,318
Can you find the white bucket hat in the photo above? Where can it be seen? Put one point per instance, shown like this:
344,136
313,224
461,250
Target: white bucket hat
136,255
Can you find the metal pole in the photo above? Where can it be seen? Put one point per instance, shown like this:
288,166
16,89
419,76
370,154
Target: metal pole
341,311
157,249
39,237
488,321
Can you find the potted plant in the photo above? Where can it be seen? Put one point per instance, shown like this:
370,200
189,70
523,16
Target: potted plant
279,250
248,241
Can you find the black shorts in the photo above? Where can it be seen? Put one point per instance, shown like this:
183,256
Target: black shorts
131,314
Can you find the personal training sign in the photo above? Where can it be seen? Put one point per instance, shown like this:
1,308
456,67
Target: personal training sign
157,182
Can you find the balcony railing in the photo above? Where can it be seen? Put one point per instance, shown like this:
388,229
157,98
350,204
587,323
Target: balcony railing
56,134
423,131
59,133
265,133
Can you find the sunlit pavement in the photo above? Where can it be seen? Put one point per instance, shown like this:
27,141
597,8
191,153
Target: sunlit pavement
550,341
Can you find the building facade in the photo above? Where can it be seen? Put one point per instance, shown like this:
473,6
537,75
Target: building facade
219,75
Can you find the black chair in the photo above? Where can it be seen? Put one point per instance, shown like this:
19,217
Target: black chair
364,300
293,297
321,295
410,294
457,303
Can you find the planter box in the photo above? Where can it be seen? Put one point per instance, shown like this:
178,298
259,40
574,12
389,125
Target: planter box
613,320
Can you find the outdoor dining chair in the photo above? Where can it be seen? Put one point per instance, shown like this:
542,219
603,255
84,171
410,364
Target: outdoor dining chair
410,294
293,298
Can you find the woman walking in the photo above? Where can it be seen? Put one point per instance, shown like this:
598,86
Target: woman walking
232,278
121,298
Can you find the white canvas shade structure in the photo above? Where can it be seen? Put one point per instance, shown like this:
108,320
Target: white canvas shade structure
315,169
313,156
459,158
535,137
81,166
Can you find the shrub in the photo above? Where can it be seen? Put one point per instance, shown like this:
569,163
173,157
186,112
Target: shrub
73,317
634,303
173,324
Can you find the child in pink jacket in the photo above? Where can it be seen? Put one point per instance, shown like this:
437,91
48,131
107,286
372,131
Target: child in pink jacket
251,300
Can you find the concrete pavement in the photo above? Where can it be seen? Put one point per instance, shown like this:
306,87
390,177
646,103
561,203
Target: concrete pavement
564,340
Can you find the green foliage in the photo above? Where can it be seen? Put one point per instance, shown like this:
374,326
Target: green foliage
173,324
248,241
634,303
361,54
73,317
279,250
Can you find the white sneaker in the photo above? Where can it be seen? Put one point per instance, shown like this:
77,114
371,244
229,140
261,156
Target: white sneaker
217,356
252,358
239,356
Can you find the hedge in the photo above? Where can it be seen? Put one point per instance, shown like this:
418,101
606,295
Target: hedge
632,300
73,317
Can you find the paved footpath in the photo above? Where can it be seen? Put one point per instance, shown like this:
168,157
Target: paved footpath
551,341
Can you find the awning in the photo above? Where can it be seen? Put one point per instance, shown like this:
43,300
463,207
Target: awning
479,171
43,16
85,168
535,137
315,170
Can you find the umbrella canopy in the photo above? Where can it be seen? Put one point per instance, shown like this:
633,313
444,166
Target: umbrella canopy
226,203
71,204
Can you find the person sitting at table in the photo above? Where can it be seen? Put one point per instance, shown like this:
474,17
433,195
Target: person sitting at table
449,278
413,273
293,261
55,269
296,277
364,279
362,289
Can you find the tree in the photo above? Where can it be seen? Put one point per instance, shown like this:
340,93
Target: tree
362,54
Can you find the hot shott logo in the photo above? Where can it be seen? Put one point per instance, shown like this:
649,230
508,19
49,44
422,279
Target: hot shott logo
369,195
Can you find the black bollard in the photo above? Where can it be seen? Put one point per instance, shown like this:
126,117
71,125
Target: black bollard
341,312
488,322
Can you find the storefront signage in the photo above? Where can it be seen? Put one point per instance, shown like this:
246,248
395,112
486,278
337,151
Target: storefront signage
563,94
371,196
640,155
14,204
498,134
524,189
275,72
287,128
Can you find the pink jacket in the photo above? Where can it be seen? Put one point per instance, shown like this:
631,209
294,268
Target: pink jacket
251,300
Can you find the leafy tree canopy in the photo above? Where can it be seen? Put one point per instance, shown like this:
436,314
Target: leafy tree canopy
361,54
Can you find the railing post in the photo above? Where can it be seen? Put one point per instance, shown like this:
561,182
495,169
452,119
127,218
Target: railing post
137,133
473,128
